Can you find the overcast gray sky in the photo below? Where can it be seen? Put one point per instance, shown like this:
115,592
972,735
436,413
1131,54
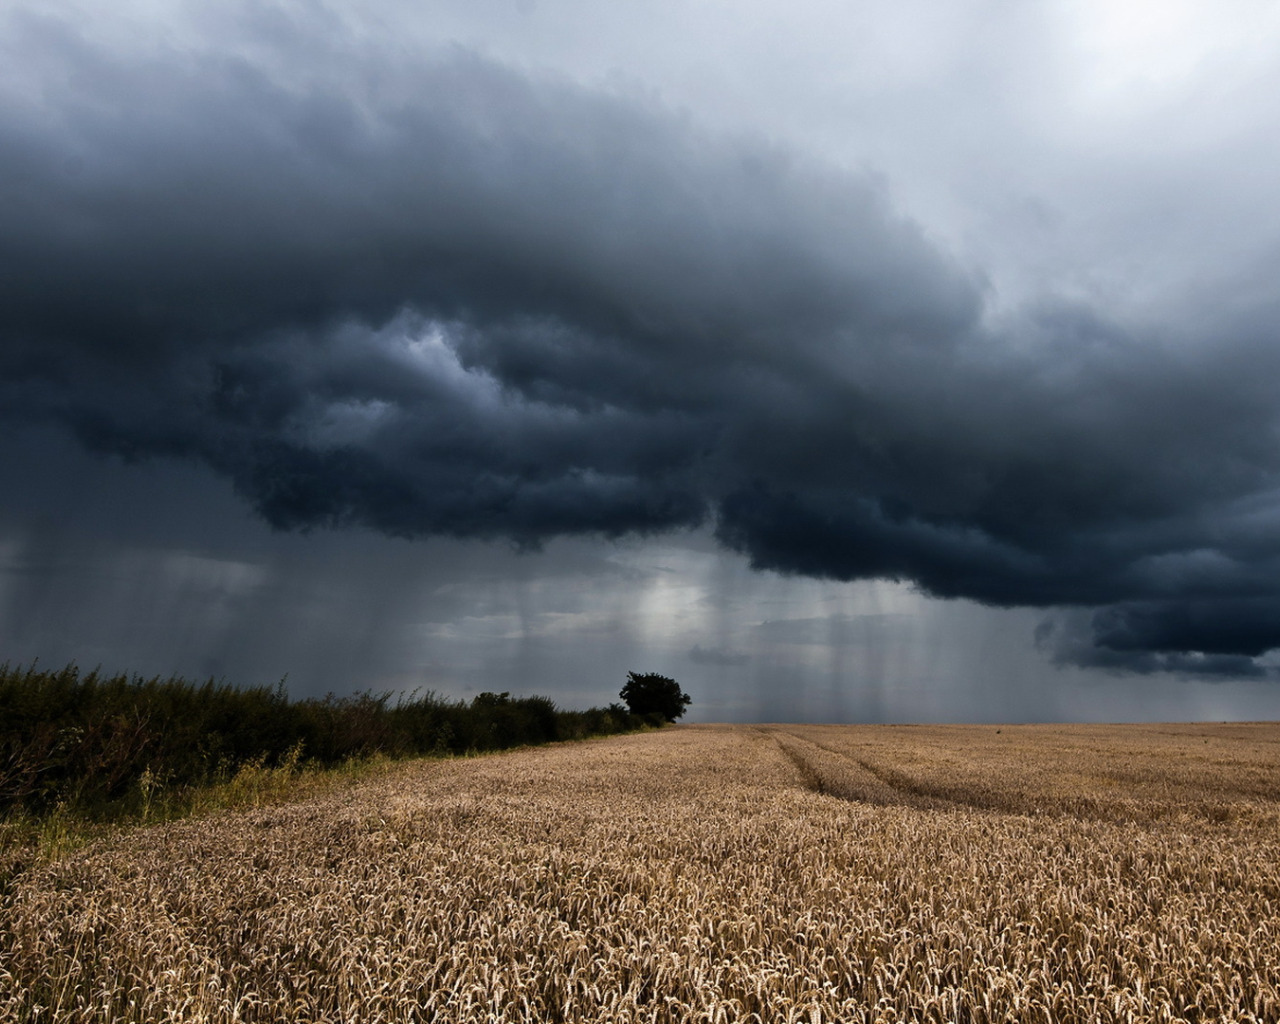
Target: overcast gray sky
878,361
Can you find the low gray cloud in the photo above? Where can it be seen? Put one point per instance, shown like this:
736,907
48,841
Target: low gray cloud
456,298
720,656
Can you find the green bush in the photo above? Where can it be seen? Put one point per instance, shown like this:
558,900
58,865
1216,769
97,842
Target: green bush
101,744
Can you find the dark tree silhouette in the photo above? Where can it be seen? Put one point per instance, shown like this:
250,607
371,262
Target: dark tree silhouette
648,693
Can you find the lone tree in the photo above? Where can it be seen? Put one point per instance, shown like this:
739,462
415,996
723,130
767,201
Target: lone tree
648,693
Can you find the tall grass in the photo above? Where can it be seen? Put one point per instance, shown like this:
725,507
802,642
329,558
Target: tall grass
101,746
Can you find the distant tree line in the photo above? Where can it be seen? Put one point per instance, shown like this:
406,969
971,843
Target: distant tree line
86,741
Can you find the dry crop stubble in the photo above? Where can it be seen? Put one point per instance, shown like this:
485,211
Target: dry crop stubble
701,873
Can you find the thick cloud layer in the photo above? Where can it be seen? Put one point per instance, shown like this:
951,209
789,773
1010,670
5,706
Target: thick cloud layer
453,298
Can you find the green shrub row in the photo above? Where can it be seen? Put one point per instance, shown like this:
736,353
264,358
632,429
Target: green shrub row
85,741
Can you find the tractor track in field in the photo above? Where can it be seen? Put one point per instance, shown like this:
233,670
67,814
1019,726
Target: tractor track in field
824,769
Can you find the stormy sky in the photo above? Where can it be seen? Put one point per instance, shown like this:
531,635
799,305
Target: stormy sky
876,361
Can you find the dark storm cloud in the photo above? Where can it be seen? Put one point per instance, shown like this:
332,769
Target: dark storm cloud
1106,640
453,298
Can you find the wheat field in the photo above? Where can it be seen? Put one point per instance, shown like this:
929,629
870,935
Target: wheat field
700,873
